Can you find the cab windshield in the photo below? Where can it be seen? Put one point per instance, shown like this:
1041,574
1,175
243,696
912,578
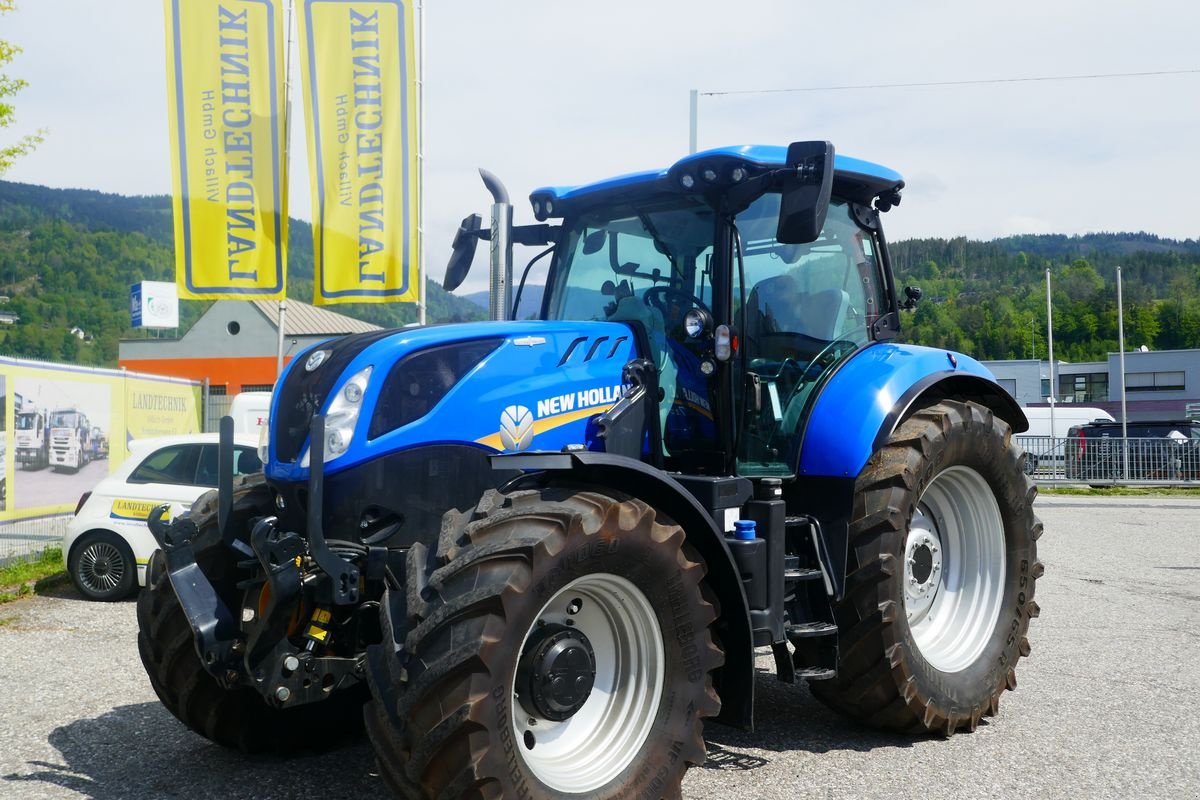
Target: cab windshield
64,420
649,262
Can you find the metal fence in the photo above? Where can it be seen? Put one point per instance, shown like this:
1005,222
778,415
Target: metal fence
215,407
26,538
1112,460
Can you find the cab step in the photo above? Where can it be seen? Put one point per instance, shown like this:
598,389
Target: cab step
815,673
806,629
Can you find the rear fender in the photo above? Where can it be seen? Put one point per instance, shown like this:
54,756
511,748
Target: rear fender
734,682
858,410
877,389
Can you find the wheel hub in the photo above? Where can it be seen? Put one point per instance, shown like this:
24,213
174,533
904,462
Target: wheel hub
922,566
556,672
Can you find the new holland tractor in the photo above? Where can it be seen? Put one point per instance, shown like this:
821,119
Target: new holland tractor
536,556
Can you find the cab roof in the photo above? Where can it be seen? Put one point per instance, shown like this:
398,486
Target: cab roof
854,179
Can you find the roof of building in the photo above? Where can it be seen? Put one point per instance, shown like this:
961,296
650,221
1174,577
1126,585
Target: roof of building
302,319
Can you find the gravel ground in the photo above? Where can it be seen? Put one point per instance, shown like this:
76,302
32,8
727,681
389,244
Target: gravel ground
1106,705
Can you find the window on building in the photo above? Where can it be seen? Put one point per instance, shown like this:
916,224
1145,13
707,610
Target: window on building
1045,388
1009,385
217,391
258,387
1154,381
1089,387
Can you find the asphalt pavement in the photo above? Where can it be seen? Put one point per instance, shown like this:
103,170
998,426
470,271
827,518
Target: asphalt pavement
1106,705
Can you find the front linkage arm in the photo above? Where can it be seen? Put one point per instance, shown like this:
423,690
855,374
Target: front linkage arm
256,649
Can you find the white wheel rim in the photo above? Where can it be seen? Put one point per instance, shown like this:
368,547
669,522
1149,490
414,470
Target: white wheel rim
954,567
591,747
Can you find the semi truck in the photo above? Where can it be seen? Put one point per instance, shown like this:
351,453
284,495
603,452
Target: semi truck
537,557
70,434
32,438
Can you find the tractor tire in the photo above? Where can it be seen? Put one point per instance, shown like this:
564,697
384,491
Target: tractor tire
239,718
561,648
941,574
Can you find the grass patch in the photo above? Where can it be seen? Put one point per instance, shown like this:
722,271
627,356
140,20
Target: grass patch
1122,491
19,578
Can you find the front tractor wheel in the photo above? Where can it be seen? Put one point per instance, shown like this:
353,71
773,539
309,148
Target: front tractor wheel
943,562
236,718
561,648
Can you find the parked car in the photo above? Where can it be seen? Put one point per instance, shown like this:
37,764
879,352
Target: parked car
108,544
1167,450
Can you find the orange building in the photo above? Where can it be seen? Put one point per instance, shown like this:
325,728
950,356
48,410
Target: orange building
234,345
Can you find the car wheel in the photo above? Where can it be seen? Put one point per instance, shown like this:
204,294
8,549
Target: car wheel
102,566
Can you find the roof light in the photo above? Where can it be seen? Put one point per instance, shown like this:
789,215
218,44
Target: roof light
686,180
549,208
709,174
737,174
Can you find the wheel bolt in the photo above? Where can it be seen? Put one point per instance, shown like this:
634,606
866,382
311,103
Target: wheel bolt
283,694
248,615
291,663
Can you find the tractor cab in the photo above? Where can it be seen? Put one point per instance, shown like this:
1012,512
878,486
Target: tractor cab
748,274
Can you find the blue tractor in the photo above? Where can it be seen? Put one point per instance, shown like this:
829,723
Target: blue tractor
536,555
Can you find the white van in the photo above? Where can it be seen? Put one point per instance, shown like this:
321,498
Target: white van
1043,447
1065,418
250,411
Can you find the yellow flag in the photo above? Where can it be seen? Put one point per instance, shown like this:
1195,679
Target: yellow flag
360,106
227,99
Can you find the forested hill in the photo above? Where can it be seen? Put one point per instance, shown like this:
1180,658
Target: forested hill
68,257
989,298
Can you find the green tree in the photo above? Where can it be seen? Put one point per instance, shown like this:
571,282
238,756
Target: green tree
9,86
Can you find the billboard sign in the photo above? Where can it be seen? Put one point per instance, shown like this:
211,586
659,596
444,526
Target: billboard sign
154,304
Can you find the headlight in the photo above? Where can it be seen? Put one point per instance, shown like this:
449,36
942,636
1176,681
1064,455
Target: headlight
342,417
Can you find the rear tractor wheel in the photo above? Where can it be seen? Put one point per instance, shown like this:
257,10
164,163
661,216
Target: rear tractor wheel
561,648
940,584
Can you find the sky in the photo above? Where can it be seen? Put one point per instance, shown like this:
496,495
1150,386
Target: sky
557,92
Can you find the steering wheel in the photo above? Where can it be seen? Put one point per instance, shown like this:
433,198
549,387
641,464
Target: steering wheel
656,298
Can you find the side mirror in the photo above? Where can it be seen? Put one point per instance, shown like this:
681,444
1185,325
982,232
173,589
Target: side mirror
463,254
805,197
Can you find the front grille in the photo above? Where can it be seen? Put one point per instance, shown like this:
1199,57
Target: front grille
302,393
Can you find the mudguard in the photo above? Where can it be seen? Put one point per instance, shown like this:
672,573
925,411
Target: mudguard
876,389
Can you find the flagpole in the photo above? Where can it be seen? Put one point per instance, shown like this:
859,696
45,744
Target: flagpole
287,170
421,298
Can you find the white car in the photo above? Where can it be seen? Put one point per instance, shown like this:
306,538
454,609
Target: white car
108,544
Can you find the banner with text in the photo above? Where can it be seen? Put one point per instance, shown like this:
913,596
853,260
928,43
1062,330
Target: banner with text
64,428
360,106
226,99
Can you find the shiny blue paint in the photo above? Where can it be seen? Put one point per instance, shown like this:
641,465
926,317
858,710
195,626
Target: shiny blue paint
761,155
853,406
519,372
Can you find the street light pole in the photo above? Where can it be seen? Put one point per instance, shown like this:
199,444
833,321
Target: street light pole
1121,358
1050,351
692,119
